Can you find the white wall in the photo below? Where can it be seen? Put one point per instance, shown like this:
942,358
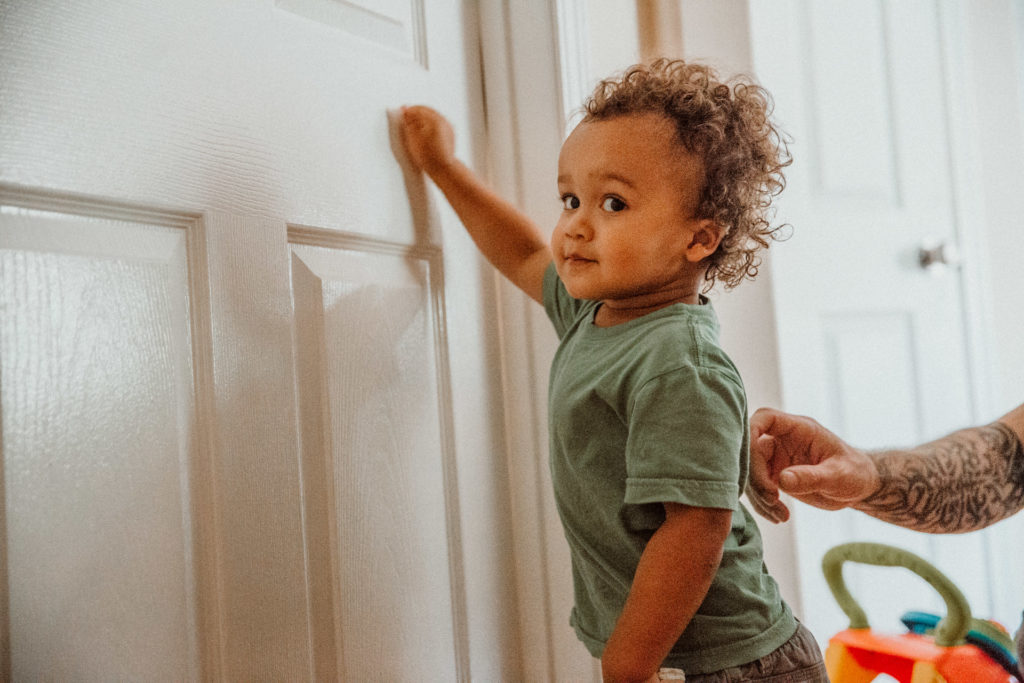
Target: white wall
612,34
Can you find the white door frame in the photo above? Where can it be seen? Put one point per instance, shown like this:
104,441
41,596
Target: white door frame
534,67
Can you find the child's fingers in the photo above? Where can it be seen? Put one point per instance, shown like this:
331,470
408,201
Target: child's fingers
412,120
421,125
416,133
427,137
420,116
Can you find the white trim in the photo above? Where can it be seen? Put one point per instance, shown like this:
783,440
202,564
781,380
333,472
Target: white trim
968,206
534,61
522,453
573,58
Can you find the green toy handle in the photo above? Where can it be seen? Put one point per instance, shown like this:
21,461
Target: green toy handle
950,631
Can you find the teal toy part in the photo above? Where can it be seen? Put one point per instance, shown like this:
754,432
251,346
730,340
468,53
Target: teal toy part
949,631
921,623
985,635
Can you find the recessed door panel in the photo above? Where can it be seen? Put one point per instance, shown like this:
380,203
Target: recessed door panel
374,408
98,448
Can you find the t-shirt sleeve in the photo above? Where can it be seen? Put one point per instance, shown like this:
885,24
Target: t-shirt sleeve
561,308
686,440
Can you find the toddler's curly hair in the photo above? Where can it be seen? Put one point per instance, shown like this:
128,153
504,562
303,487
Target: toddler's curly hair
727,125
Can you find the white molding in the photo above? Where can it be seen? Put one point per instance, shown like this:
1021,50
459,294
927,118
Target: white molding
573,58
968,205
535,61
523,454
90,207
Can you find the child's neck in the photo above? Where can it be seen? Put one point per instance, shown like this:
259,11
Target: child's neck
611,313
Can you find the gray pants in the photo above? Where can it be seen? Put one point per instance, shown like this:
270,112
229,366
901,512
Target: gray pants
798,660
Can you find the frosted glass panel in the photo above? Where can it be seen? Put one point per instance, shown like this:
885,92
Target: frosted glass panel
94,393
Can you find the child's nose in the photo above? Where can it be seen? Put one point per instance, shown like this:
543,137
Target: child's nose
578,226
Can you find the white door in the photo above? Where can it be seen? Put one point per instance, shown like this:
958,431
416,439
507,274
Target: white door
232,444
873,344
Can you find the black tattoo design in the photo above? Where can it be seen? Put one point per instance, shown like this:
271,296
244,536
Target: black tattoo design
962,482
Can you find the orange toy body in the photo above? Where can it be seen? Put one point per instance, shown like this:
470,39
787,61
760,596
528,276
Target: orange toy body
859,655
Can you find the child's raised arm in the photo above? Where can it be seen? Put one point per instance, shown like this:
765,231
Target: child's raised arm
505,236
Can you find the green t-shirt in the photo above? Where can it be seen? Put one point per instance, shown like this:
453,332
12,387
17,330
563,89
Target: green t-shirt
648,412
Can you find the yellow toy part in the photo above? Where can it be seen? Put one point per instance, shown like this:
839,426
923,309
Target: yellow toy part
859,655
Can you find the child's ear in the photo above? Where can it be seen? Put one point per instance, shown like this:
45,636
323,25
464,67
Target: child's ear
704,241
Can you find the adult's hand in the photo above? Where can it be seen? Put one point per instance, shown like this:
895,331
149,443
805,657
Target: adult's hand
797,455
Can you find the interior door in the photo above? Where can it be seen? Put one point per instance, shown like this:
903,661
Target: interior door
232,448
874,342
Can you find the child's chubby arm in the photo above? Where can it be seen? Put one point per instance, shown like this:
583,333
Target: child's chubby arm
505,236
674,574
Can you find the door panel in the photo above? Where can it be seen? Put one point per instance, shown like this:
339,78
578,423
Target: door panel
373,391
865,171
98,529
393,24
298,484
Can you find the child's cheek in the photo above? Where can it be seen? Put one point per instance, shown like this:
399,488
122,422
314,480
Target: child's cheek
555,243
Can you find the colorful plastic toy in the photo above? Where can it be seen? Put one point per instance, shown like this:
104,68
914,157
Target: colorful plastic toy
953,649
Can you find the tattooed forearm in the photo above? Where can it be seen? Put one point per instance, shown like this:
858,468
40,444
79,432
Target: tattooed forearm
962,482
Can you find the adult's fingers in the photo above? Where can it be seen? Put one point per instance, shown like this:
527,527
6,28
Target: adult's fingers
762,490
774,512
762,453
762,422
804,479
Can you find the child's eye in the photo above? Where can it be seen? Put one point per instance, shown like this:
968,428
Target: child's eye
570,201
613,204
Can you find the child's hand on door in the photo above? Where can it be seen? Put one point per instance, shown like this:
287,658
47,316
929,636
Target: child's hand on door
428,138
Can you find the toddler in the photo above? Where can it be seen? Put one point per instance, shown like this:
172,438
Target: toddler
665,188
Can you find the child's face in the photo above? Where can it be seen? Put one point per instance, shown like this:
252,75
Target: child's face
629,192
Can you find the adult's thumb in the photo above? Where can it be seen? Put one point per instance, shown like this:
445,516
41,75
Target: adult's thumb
800,479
